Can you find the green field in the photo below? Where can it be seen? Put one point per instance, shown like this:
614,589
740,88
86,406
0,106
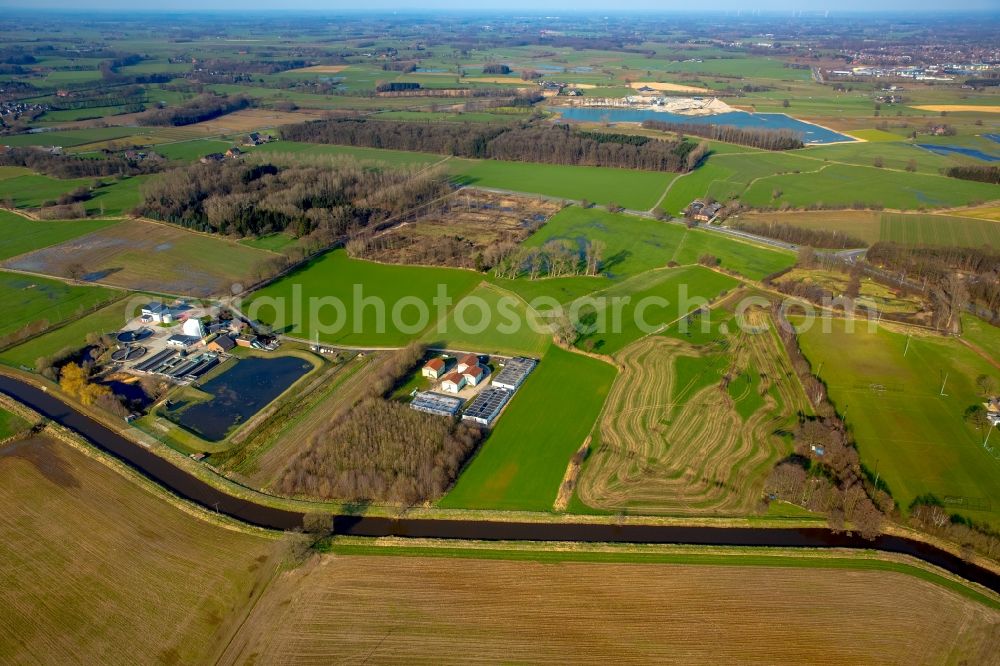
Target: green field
11,424
562,289
843,185
494,322
272,242
655,299
337,276
117,198
894,155
985,336
637,244
875,135
522,463
803,179
71,336
22,235
872,226
69,138
292,151
724,177
34,190
630,188
916,438
637,190
26,298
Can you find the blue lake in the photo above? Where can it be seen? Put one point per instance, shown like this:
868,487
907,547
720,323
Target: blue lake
960,150
580,69
773,121
995,138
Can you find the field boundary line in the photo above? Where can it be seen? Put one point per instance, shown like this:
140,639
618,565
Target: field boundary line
66,322
666,191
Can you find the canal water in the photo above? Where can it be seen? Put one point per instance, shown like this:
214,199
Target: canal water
192,488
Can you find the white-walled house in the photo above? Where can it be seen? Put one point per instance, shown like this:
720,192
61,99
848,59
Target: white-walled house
466,362
434,368
453,383
474,375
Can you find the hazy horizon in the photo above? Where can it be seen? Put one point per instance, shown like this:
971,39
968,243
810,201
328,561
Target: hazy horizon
842,8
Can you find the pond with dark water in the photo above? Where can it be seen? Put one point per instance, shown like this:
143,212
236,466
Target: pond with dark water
237,394
812,134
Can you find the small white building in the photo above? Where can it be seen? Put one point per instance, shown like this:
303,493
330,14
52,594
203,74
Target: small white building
453,383
193,328
474,375
434,368
466,362
157,313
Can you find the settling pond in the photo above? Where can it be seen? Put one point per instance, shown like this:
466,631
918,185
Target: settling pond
237,394
812,134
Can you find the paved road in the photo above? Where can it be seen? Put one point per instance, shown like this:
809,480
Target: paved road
194,489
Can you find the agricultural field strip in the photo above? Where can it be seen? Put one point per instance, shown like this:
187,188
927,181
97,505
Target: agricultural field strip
140,574
390,609
631,470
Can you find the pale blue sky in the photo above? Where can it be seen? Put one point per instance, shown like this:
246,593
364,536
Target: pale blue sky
506,6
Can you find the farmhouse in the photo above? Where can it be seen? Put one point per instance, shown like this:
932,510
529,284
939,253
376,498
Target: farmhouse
157,313
234,152
256,139
703,212
435,403
514,372
434,368
453,383
487,405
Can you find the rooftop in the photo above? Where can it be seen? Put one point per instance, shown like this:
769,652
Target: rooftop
487,404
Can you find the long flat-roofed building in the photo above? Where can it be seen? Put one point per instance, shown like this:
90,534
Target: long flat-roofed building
485,407
514,372
435,403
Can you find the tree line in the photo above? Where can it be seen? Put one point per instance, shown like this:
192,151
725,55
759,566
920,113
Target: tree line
72,166
767,139
196,110
983,174
825,474
556,258
789,233
245,198
523,142
382,451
